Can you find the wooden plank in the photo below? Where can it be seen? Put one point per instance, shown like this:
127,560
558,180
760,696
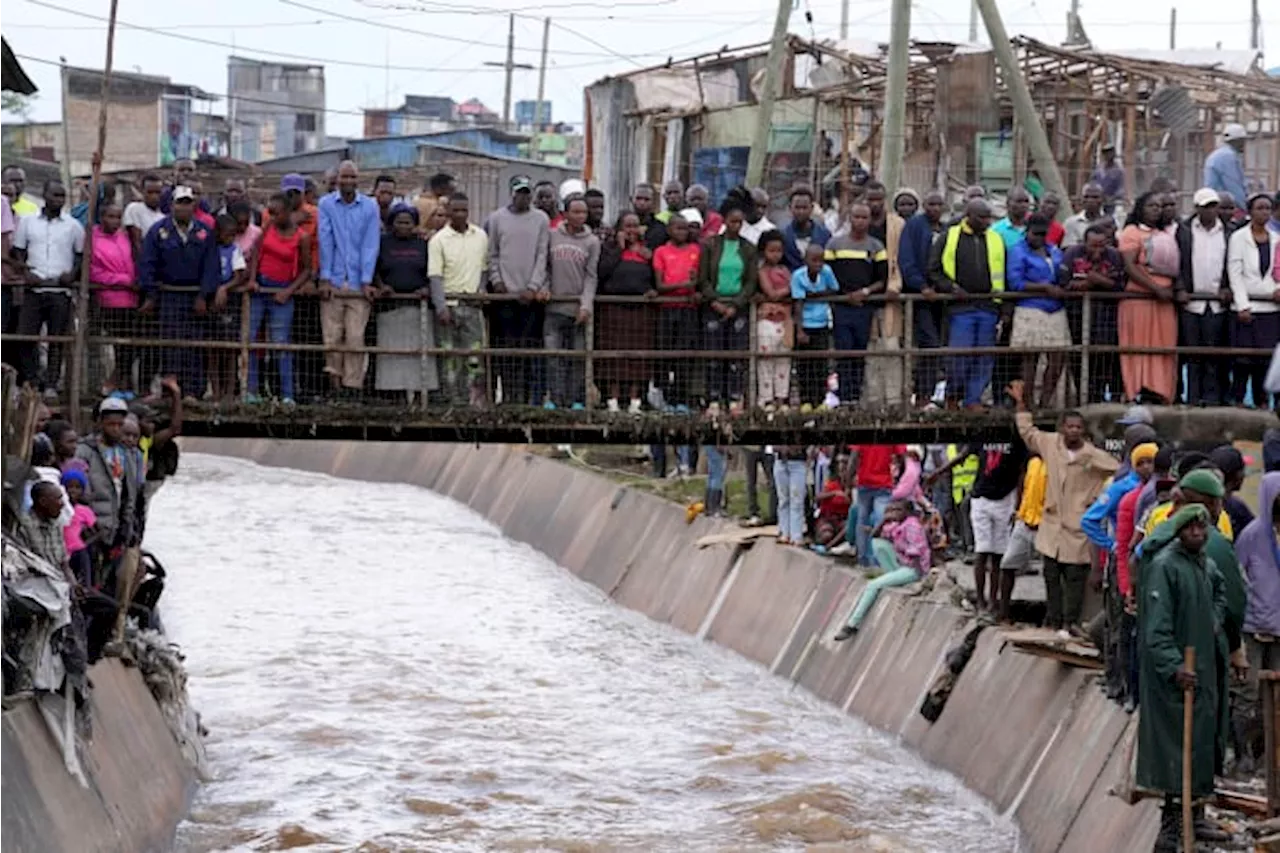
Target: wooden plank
1060,655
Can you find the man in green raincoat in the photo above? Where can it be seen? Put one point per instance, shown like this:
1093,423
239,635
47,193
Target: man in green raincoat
1183,604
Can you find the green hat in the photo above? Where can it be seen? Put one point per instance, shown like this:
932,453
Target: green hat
1188,514
1204,482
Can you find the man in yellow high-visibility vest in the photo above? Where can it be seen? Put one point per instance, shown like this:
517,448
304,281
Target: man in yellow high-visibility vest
968,261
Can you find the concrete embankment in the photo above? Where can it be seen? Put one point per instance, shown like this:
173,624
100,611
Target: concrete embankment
139,783
1034,737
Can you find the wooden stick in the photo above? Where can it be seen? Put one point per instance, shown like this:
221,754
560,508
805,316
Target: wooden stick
1188,709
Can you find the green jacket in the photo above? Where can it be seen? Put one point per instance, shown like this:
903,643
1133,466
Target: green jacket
1183,603
709,273
1222,552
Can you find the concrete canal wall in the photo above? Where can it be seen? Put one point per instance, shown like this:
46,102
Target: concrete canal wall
139,784
1035,737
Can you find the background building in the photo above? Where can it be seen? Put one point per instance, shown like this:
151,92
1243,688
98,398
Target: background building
420,114
274,109
526,114
151,119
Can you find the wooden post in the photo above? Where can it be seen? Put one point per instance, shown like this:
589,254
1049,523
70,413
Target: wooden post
589,367
753,359
1268,685
893,133
245,355
844,161
1130,139
772,84
1188,718
424,332
78,367
1086,321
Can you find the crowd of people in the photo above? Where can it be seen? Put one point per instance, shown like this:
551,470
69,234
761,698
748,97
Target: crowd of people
1178,557
318,264
82,509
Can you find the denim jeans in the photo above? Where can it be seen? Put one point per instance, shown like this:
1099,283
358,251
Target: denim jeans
716,466
969,375
567,375
725,379
789,480
866,512
279,326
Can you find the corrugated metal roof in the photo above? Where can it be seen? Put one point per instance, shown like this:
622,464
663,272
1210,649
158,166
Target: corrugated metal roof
1233,61
15,79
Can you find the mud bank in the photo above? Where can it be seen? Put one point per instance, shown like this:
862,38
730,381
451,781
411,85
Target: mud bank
139,783
1034,737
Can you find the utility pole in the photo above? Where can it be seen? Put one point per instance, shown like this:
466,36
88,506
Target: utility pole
1024,107
1255,27
844,20
772,80
1173,28
542,88
893,134
80,349
509,66
973,21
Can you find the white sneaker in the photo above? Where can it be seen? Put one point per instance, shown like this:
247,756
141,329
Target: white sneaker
612,404
634,408
844,549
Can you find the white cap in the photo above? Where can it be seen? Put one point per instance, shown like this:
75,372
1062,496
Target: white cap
1232,132
1206,196
113,404
691,215
571,186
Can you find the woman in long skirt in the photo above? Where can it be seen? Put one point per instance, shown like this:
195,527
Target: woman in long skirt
402,271
1151,261
626,269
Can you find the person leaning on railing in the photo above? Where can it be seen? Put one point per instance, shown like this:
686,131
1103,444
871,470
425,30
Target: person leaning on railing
969,259
458,263
180,252
1151,260
402,271
1253,255
727,281
114,277
626,269
1040,321
1094,265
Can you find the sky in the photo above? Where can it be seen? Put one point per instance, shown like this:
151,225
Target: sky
427,47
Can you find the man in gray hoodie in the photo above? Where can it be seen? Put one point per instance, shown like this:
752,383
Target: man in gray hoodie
574,254
518,237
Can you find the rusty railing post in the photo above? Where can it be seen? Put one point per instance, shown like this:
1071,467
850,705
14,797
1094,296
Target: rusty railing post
424,365
753,356
908,341
243,370
589,366
1086,321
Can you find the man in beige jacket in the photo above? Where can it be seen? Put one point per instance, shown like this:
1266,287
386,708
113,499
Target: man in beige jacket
1077,472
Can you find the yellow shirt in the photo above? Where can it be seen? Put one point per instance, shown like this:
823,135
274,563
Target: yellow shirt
459,258
1164,510
1034,481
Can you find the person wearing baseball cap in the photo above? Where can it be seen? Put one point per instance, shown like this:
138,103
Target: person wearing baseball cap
113,474
519,235
180,251
1203,296
1224,168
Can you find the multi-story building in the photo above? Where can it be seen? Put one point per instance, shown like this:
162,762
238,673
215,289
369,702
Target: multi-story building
275,109
527,115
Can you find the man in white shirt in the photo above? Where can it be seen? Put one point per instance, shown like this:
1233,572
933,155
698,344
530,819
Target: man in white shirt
756,220
1203,294
50,244
139,216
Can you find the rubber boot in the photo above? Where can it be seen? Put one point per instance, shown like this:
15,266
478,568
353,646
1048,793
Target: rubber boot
1167,841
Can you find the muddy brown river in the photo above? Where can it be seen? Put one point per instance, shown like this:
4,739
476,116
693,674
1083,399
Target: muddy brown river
381,670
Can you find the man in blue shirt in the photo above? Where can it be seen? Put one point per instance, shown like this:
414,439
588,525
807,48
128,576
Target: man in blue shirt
350,236
913,259
1224,168
180,252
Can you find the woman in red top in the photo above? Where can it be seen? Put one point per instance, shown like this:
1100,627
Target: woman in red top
281,264
774,331
675,268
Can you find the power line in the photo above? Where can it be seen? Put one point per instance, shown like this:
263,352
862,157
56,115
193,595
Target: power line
311,60
442,37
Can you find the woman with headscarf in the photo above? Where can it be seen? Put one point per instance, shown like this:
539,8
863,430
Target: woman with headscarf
1254,279
402,273
1151,261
